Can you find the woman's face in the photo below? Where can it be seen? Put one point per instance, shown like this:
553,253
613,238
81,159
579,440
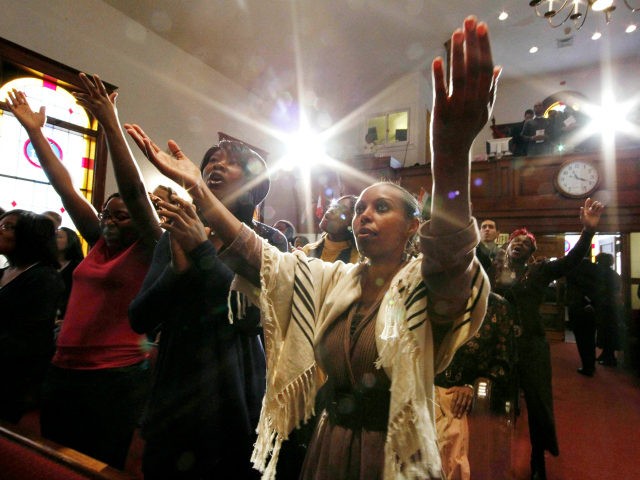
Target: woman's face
338,217
62,241
223,174
117,227
380,224
8,234
520,248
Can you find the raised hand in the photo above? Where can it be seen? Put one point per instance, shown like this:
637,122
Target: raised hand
174,165
98,101
463,107
30,120
590,214
182,223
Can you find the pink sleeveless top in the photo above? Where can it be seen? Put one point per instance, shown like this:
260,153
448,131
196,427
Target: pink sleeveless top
95,332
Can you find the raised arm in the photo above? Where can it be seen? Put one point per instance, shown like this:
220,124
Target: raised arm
179,168
590,214
131,186
80,210
460,110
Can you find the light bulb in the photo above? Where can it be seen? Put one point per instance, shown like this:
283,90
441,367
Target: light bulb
600,5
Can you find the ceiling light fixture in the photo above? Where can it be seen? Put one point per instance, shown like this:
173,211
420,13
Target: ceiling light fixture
533,49
631,28
558,12
503,16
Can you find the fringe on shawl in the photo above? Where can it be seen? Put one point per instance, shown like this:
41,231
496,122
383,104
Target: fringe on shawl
408,434
286,409
411,449
274,428
242,302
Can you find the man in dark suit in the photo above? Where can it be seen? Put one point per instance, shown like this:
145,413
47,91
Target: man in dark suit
582,292
535,133
519,144
487,248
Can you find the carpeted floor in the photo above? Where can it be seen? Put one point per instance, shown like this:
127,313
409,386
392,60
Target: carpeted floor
598,424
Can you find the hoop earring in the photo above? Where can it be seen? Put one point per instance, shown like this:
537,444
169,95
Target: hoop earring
409,250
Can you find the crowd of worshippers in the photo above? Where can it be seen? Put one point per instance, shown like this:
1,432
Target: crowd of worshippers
241,349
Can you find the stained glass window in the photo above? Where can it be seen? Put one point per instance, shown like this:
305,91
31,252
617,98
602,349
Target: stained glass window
71,134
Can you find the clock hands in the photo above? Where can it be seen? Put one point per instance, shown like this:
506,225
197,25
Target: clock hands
578,178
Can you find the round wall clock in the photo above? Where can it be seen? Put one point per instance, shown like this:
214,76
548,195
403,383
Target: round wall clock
577,178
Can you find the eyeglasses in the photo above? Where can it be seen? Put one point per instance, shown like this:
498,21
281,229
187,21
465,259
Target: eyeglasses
7,227
117,217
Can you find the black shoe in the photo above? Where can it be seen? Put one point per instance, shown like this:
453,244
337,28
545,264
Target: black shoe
586,372
609,362
538,471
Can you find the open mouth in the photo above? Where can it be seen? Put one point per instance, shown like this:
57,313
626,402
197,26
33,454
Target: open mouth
215,179
364,233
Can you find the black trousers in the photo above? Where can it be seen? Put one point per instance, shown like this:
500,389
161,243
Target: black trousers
583,321
95,411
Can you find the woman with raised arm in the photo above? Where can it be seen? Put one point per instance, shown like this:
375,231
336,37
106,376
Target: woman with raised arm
524,284
379,329
210,374
97,385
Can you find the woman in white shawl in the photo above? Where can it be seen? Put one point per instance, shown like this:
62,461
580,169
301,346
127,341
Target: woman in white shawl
378,329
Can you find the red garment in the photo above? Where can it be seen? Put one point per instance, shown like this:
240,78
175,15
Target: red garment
95,332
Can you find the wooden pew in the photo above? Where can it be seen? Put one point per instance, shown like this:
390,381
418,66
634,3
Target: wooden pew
25,456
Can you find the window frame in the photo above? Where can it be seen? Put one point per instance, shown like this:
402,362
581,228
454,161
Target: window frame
17,61
386,114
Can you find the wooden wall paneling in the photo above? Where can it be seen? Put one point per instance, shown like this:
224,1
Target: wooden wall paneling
520,192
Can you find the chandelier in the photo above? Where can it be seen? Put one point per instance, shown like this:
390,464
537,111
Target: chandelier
559,12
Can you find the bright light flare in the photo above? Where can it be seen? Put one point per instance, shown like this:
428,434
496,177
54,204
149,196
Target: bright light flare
305,149
611,117
503,16
533,49
631,28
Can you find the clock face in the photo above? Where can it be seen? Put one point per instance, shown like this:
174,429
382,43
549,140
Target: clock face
577,179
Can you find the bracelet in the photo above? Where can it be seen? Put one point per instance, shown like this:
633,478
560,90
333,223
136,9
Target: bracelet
470,386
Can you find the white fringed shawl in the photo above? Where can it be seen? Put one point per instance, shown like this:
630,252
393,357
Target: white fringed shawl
299,298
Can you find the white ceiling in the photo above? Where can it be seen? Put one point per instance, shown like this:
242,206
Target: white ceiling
340,53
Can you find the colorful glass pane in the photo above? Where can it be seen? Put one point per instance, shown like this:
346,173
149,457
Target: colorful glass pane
23,183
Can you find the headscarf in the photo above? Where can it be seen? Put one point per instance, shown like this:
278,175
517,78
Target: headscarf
526,233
